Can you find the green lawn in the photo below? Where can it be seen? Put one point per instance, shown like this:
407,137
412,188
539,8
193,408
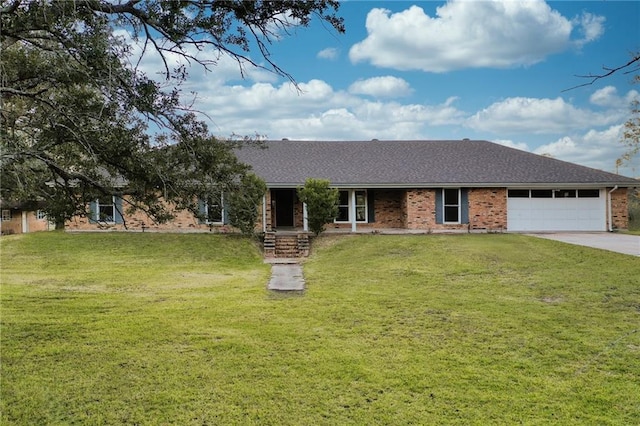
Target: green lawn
180,329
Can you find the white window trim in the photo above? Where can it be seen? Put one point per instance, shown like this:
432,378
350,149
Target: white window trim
97,217
40,215
206,212
8,216
554,192
352,207
445,205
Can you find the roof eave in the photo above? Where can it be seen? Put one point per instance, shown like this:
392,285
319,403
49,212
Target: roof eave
530,185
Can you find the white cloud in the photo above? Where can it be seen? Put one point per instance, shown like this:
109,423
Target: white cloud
318,111
539,116
470,34
595,148
522,146
590,26
382,87
608,97
330,53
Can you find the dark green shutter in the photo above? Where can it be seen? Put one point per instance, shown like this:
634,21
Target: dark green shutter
93,208
202,211
439,205
464,205
371,210
118,210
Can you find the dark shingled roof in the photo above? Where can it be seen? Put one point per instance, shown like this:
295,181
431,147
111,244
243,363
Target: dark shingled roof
375,163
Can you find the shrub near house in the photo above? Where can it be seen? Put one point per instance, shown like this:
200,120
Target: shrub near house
321,202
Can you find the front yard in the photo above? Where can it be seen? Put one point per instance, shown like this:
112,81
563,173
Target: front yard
432,329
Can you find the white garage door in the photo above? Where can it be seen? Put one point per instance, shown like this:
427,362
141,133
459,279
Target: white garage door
556,210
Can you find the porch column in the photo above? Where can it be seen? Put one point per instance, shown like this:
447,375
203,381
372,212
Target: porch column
352,208
305,219
264,213
24,222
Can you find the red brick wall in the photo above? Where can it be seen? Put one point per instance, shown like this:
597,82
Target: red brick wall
488,208
388,205
268,216
415,209
411,209
298,215
183,222
420,209
388,208
14,226
619,208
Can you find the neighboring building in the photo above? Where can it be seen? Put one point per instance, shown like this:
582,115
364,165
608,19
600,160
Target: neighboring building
423,186
21,218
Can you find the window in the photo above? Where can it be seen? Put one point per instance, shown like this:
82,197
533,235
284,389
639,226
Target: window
361,206
40,215
565,193
518,193
556,193
588,193
214,210
106,209
451,205
344,206
6,214
541,193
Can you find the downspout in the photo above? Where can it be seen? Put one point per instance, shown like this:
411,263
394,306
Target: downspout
609,208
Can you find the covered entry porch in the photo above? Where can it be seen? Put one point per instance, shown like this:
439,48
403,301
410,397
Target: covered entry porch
358,209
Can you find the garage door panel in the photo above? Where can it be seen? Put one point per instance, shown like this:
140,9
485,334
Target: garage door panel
556,214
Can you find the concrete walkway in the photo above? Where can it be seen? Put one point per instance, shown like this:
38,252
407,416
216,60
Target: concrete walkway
286,275
620,243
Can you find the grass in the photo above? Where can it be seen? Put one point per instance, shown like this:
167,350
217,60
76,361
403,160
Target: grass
179,329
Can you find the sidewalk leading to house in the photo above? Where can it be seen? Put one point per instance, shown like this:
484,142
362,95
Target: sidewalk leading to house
286,275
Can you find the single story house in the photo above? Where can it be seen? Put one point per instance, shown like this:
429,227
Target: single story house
418,185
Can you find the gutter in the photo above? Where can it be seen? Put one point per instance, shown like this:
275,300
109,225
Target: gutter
609,208
431,185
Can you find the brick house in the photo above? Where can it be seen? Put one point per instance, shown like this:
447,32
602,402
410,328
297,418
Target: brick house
439,186
421,186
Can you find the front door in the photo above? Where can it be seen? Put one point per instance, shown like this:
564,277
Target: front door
283,200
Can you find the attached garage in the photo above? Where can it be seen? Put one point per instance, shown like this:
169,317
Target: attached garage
556,210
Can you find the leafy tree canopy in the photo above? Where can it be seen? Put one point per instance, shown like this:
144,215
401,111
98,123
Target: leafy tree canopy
631,132
80,120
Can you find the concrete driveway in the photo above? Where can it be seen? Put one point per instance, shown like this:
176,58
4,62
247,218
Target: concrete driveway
621,243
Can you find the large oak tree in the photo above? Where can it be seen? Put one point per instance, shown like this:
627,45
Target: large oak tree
80,120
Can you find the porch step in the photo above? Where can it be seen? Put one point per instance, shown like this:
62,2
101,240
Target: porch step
286,246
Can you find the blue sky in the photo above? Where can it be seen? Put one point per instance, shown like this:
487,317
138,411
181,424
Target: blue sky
443,70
